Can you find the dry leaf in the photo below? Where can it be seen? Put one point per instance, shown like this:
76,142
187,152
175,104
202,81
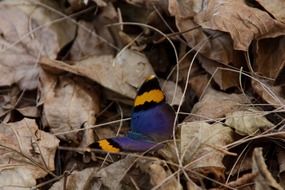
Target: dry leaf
273,95
67,105
27,154
242,22
275,8
215,104
95,38
79,180
202,147
224,78
281,162
159,172
173,92
64,29
269,52
112,175
264,180
128,70
20,51
248,122
218,48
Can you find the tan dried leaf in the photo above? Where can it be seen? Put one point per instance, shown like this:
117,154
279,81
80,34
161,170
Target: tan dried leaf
94,38
21,47
218,48
242,22
215,104
27,154
202,149
248,122
270,57
159,172
128,70
273,95
275,8
265,179
67,105
79,180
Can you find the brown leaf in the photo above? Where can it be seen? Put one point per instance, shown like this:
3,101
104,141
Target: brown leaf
265,179
272,95
242,22
158,173
281,162
27,153
94,38
20,51
78,180
248,122
270,57
67,105
275,8
224,78
218,48
215,104
129,69
202,147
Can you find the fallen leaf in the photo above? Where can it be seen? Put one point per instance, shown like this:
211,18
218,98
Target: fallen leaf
112,175
275,8
173,92
27,154
78,180
202,147
268,52
67,104
273,95
21,48
242,22
218,48
216,104
281,162
265,179
95,38
248,122
159,172
129,69
224,78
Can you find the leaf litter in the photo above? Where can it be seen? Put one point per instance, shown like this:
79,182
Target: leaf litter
69,72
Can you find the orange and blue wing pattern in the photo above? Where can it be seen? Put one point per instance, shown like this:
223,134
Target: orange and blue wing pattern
152,121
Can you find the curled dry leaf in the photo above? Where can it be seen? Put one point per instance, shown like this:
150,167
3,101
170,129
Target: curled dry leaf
21,47
202,147
95,38
27,154
265,179
275,8
215,104
273,95
248,122
218,48
173,92
281,162
67,105
242,22
224,78
109,177
269,52
128,70
159,172
78,180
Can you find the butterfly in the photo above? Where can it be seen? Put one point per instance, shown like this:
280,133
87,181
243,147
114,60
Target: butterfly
152,121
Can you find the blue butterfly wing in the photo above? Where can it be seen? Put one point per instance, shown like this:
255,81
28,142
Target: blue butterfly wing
118,144
156,123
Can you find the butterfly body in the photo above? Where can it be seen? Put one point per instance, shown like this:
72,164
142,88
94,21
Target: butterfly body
152,121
